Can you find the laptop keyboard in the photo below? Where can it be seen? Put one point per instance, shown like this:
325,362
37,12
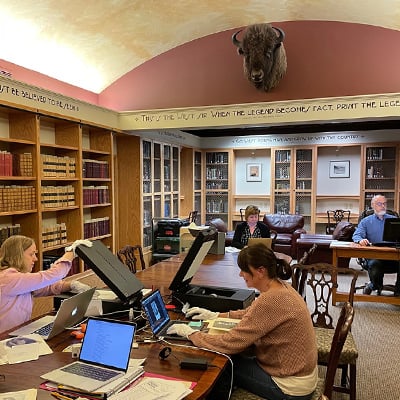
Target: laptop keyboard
89,371
45,330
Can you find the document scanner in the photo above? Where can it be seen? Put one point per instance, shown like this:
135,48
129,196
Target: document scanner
114,274
214,298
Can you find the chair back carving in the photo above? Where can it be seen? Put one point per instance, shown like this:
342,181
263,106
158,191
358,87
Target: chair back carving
341,331
334,217
130,255
193,216
321,278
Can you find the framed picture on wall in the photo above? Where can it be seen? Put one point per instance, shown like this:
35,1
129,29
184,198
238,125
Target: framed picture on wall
253,172
339,169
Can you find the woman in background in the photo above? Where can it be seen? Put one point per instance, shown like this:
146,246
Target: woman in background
250,228
18,284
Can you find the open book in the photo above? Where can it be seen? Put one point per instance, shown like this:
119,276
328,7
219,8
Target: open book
221,325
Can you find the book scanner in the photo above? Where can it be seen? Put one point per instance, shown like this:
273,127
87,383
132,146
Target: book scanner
114,274
213,298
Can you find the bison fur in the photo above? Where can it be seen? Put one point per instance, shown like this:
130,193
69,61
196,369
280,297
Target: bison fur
264,55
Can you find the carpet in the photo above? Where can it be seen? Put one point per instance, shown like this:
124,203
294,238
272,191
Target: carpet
376,329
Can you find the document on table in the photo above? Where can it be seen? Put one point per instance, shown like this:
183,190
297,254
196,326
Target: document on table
23,348
29,394
155,389
221,325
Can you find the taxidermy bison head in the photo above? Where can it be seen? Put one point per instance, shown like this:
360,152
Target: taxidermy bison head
264,56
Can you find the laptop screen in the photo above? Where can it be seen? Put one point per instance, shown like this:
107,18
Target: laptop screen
108,343
156,312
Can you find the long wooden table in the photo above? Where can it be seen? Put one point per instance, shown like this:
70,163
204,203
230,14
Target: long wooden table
219,270
354,250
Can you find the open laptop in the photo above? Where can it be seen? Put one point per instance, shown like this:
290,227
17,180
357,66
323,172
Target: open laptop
159,320
72,311
266,241
104,356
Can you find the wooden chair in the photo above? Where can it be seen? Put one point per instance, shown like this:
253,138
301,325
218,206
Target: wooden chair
193,216
334,217
325,387
129,255
322,278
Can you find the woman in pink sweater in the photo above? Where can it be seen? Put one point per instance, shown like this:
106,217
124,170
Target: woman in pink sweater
273,347
18,284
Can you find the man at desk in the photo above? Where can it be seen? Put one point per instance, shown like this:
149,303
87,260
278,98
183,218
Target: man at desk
370,230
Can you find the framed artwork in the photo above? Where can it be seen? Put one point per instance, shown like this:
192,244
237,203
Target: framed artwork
339,169
253,172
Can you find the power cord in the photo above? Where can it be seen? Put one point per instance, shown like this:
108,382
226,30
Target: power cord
210,351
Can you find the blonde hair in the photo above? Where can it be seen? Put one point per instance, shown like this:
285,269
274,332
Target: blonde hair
12,252
251,210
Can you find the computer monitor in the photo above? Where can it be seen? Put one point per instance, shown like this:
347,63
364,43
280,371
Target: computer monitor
112,271
391,230
195,256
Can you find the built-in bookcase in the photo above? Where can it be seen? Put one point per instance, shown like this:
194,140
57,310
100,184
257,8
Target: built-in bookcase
44,176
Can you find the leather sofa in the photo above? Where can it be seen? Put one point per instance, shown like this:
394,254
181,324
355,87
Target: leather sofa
323,253
288,228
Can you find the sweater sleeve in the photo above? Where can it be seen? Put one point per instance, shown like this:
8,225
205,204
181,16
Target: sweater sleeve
237,236
264,229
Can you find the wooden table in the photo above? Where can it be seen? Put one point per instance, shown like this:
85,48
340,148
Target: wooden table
354,250
219,270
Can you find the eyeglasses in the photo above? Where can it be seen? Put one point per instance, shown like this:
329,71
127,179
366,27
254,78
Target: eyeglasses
381,204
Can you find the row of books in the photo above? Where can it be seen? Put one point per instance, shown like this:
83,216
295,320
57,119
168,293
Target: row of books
57,166
96,195
7,231
54,235
95,169
96,227
57,196
48,260
15,164
17,198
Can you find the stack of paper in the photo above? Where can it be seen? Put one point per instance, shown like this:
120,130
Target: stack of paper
150,388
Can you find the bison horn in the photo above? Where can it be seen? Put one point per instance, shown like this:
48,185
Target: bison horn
234,39
281,36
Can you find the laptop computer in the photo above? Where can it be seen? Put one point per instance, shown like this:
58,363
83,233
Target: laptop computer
266,241
159,320
104,356
72,311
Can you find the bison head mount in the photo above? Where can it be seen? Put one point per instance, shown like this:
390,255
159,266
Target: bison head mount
264,56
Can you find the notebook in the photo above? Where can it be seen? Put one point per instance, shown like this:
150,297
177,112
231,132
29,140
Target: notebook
159,320
104,356
72,311
266,241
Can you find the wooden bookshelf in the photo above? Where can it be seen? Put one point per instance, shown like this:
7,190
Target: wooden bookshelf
42,184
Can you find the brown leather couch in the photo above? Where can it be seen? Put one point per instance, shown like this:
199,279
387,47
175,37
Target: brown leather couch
288,228
323,253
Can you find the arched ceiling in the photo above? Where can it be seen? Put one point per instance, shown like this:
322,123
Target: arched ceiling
92,43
